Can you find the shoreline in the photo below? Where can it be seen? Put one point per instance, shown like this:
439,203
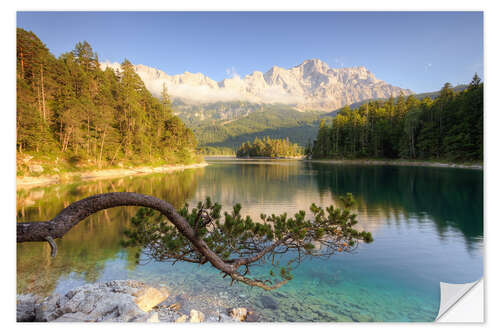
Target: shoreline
209,156
295,158
473,166
29,182
396,162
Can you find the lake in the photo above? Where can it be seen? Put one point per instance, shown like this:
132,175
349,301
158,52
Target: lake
427,225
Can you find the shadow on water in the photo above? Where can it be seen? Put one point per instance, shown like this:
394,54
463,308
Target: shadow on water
451,198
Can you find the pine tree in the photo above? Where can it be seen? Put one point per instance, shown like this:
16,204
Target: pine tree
450,127
71,107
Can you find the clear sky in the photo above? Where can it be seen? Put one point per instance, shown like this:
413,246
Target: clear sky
415,50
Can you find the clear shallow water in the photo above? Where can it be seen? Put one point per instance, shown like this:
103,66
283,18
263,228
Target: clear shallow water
427,224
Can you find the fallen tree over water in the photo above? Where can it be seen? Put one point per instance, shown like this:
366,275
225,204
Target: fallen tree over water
199,236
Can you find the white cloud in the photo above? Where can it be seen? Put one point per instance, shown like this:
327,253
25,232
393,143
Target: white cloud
233,89
199,93
231,72
427,66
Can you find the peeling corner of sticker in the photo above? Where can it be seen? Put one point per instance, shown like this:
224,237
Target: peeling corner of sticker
451,294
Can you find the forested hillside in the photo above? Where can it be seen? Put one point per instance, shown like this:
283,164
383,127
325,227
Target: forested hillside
276,122
448,127
224,136
69,110
431,95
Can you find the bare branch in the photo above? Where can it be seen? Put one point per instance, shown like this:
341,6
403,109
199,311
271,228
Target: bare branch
53,246
79,210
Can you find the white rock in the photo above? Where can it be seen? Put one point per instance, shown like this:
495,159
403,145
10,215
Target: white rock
111,301
196,316
153,318
181,319
147,298
239,314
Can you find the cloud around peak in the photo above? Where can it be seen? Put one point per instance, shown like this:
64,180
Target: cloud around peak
318,88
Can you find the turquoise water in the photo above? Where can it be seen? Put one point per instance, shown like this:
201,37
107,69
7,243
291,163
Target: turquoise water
427,225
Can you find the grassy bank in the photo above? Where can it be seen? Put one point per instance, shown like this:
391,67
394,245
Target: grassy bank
44,169
34,164
28,181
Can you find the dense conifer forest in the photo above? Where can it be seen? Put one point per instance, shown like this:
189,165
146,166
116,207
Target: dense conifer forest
70,109
269,148
448,127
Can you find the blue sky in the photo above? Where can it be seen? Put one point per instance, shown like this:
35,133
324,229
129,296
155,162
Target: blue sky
415,50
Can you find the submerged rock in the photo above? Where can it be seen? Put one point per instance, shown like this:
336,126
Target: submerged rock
361,317
269,302
252,316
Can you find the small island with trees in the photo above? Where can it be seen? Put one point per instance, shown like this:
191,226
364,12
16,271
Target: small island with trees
269,148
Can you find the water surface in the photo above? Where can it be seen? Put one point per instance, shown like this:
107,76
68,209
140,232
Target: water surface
427,224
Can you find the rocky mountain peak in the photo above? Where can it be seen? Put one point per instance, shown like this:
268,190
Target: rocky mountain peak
314,65
311,85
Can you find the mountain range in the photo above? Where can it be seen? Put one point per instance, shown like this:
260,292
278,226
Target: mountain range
278,103
310,86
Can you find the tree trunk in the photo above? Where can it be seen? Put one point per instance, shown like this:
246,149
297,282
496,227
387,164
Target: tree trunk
100,153
79,210
70,216
61,131
88,133
39,100
43,94
22,63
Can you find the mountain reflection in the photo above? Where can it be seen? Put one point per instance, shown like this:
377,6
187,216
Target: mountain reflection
449,199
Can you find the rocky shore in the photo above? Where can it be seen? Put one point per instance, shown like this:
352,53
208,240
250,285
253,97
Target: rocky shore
28,182
117,301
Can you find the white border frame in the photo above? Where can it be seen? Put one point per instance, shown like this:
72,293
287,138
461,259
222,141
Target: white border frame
491,175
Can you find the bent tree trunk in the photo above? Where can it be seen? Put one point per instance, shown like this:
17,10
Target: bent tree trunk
79,210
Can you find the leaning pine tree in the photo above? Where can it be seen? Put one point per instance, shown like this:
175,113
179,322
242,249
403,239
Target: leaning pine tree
230,243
